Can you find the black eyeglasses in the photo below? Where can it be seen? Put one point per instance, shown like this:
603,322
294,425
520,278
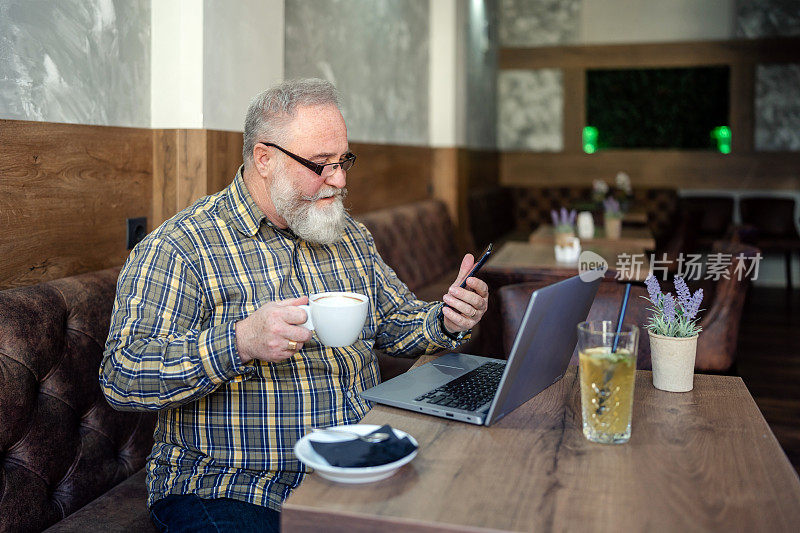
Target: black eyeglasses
327,170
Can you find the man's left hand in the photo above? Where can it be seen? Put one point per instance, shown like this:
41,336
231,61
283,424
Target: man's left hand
466,306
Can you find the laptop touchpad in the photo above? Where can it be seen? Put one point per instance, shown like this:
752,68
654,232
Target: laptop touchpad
451,371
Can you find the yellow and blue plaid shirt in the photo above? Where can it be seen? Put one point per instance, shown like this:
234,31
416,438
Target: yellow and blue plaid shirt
227,429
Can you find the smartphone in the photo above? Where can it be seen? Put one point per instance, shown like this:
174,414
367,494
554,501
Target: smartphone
478,264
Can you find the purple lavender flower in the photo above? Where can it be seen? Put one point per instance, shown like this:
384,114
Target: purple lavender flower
669,308
693,306
563,219
653,289
611,206
684,295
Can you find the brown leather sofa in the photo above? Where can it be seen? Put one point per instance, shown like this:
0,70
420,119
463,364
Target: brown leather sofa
67,459
62,447
418,241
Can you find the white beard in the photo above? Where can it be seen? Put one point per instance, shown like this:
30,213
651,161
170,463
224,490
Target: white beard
323,225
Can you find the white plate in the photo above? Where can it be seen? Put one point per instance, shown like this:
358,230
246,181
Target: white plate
367,474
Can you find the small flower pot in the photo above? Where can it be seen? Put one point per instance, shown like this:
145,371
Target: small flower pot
673,362
564,238
613,226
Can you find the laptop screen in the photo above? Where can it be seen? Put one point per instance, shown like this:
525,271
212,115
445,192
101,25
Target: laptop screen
544,343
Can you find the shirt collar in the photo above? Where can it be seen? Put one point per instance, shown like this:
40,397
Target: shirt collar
245,213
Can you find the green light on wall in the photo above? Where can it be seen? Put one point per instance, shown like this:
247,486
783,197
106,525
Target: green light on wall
590,134
722,134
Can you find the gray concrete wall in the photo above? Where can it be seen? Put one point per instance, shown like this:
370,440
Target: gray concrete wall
375,52
77,61
530,103
482,46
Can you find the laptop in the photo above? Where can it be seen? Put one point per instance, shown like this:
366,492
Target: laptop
482,390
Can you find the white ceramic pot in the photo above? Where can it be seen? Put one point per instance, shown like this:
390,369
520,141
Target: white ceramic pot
568,253
585,225
613,226
673,362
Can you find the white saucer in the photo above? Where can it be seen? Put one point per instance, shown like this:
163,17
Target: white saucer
309,457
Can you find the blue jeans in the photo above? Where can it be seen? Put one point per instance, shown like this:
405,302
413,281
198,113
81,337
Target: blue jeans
191,513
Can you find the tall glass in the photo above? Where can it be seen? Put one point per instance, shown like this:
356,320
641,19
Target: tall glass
607,379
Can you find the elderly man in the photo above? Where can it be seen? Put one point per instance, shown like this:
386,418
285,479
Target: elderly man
206,327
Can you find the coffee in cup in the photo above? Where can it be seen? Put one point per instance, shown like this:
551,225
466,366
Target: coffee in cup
336,317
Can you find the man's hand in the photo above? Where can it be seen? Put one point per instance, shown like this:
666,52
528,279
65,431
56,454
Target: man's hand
273,332
466,305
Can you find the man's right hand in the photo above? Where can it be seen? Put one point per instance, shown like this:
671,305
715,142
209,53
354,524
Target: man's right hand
273,332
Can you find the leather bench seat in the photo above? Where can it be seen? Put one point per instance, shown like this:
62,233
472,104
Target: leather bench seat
417,240
70,462
61,443
119,510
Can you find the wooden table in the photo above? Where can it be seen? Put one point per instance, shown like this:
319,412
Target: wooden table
698,461
540,256
632,238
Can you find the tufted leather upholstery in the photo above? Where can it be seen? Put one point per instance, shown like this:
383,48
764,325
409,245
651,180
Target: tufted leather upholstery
723,303
418,241
491,217
61,444
532,206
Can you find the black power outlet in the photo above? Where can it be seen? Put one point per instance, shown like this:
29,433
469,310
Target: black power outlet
137,229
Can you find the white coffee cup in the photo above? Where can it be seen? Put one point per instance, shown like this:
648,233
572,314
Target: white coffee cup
336,317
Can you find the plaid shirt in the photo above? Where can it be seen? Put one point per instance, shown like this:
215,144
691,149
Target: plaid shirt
227,429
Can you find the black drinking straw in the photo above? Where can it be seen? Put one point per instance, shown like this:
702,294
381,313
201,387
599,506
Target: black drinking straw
621,316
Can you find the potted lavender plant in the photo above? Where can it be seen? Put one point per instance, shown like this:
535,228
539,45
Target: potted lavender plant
673,332
612,218
564,226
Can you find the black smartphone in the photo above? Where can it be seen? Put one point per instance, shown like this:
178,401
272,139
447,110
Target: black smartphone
478,264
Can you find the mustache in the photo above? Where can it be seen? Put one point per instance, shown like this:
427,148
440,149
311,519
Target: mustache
327,193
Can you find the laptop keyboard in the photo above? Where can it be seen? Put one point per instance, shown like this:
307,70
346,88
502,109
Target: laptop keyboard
469,391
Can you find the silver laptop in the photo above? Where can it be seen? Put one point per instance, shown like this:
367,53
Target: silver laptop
481,390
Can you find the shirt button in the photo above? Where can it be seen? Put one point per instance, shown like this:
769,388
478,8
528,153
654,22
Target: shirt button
350,394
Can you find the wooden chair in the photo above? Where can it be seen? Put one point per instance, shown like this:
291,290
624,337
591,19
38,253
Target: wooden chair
712,219
773,222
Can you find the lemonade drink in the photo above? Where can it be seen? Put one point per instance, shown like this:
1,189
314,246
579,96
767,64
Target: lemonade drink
607,393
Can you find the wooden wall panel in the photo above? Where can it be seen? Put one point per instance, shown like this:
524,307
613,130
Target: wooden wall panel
674,54
224,149
189,164
742,107
192,179
653,168
165,172
388,175
574,109
481,168
66,191
446,181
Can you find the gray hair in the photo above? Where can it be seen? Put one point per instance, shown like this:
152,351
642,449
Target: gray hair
271,111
